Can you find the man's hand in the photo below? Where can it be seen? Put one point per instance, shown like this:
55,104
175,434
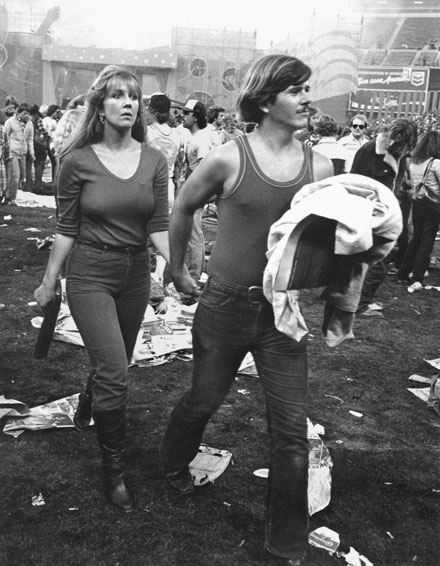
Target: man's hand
186,285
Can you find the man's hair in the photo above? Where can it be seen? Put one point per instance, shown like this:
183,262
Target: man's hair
23,107
427,146
11,101
266,78
34,109
200,114
402,133
326,126
213,112
360,118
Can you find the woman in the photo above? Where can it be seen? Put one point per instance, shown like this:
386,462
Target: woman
112,195
424,172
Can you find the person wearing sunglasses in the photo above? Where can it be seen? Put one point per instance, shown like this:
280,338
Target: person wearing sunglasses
356,138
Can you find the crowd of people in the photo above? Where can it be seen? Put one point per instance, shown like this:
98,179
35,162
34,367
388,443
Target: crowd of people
129,174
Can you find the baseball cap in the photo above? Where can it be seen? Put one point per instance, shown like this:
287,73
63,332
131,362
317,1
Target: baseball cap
194,105
159,102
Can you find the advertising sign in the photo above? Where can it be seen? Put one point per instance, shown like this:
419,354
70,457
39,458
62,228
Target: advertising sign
393,79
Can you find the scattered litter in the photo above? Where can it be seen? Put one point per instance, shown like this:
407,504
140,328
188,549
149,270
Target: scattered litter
7,217
375,306
436,490
261,475
388,483
3,225
330,541
419,378
241,543
31,230
57,414
247,366
32,303
431,287
73,508
434,363
226,503
339,442
356,414
429,395
417,312
45,242
2,305
38,500
390,535
209,464
12,408
334,397
243,391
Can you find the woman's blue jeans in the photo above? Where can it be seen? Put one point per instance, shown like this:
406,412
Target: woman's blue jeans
230,321
426,221
108,293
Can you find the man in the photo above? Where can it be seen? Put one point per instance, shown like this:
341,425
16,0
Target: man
216,117
20,132
168,140
41,147
356,138
253,178
197,148
327,130
385,160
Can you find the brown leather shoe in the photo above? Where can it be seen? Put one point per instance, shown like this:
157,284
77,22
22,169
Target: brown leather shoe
181,481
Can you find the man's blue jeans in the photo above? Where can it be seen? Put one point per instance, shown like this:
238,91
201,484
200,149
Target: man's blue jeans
108,293
230,321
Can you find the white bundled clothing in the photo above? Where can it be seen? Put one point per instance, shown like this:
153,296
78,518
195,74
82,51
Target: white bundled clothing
363,208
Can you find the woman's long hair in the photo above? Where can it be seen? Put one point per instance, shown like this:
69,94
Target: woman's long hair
427,146
90,130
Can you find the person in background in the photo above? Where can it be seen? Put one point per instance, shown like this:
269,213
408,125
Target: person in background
230,129
41,149
20,132
112,197
197,148
327,130
215,116
169,141
5,158
424,173
253,179
307,135
68,122
386,160
50,120
356,138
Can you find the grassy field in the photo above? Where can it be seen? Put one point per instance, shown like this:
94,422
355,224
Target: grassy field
385,498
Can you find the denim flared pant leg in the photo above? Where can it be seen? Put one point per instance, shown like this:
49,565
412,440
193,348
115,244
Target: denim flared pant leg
108,293
226,326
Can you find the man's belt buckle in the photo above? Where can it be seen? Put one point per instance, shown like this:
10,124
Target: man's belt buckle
255,294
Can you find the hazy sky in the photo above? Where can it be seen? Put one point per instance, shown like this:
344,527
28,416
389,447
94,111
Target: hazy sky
137,24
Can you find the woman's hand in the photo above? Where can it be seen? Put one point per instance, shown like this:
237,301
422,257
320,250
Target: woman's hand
44,294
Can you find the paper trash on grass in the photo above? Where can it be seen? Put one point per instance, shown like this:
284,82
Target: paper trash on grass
329,540
12,408
320,465
157,339
419,378
434,363
209,464
56,414
247,366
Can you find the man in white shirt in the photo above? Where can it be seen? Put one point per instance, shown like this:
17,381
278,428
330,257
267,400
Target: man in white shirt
197,147
356,138
216,117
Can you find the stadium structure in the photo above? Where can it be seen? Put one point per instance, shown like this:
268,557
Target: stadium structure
382,59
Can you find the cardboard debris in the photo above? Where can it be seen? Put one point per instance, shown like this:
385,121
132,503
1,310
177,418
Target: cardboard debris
209,464
329,540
